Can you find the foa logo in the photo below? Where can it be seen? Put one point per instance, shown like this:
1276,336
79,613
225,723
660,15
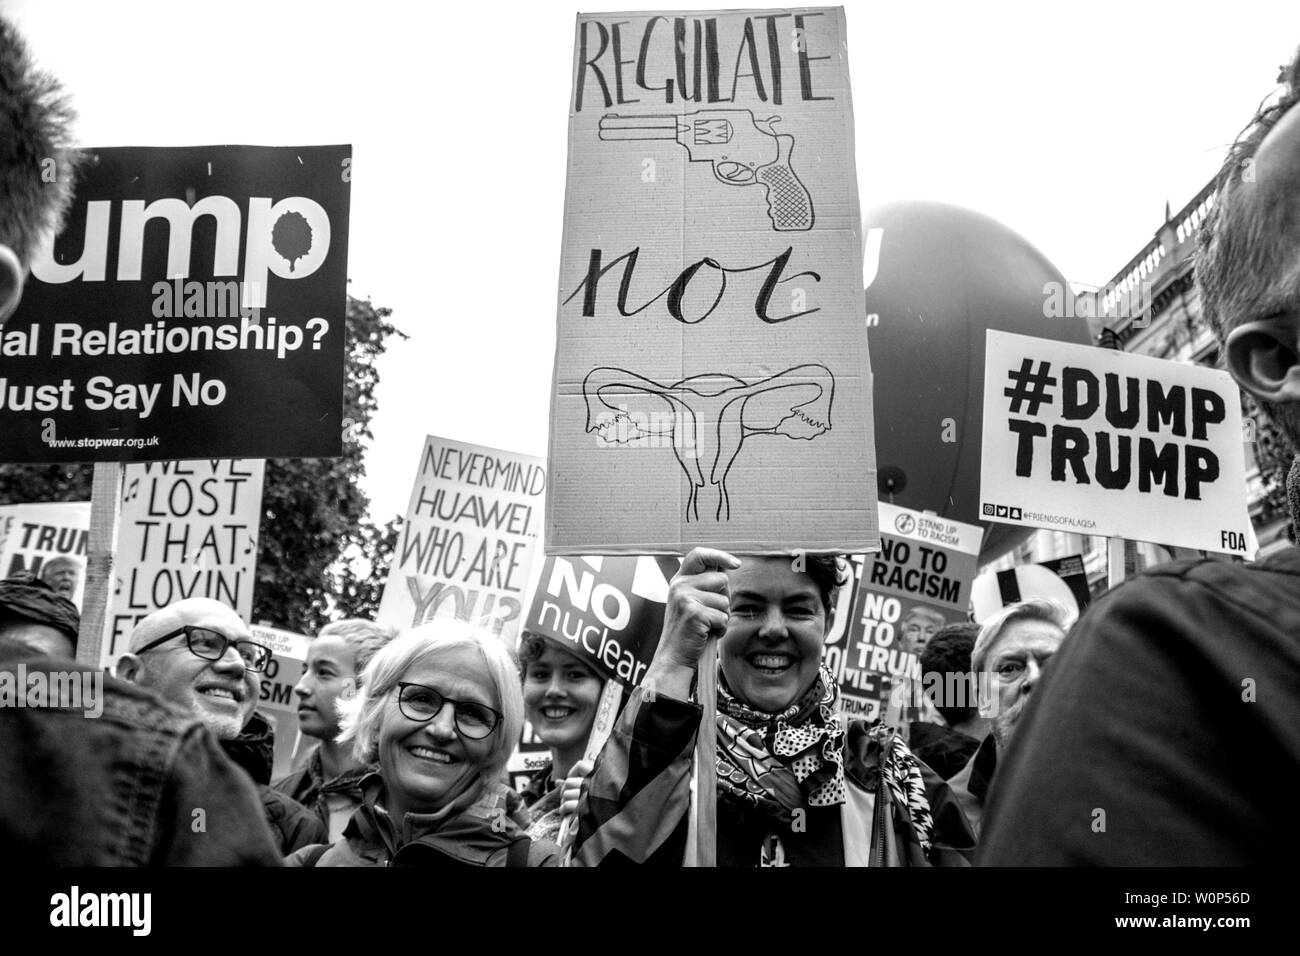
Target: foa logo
289,239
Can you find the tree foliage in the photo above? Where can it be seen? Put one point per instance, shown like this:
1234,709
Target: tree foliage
320,557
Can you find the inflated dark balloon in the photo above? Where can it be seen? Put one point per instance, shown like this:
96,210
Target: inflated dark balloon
943,277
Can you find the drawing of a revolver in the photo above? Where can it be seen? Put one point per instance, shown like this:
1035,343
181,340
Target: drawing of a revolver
744,151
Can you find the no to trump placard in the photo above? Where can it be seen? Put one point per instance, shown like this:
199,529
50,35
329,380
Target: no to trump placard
49,540
468,541
919,581
187,529
712,385
1094,441
192,307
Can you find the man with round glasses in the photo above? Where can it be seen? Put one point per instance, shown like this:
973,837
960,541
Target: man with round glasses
199,654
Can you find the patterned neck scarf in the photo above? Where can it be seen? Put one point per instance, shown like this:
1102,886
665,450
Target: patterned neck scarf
776,763
902,774
1293,490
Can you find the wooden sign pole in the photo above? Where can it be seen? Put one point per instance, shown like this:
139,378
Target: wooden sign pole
1114,561
1121,554
601,727
705,806
105,507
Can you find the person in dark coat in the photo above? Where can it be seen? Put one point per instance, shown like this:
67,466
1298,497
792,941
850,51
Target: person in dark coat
946,676
198,653
1010,653
798,784
329,780
35,618
1167,732
122,789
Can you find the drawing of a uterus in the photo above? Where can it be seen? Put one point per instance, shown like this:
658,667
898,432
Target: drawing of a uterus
706,418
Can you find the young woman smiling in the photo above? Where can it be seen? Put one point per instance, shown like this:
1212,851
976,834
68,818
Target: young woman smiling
561,696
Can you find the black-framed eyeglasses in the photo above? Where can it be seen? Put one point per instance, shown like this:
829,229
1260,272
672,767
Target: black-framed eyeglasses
211,645
473,720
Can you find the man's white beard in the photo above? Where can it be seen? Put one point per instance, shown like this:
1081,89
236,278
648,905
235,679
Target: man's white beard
223,726
1004,724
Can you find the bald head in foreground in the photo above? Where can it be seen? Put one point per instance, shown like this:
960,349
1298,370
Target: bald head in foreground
200,654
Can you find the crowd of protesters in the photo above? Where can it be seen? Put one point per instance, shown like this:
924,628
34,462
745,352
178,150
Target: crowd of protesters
1152,731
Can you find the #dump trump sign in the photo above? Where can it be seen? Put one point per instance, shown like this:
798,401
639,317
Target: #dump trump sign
1094,441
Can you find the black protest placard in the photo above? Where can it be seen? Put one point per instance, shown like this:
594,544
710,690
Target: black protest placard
192,307
607,611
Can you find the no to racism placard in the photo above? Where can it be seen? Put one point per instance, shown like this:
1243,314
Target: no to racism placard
469,538
276,700
50,541
1100,442
918,582
187,529
712,385
193,306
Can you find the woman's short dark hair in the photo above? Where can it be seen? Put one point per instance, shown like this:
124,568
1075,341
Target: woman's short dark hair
948,653
533,646
830,572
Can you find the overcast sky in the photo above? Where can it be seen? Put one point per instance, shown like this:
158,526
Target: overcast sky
1073,123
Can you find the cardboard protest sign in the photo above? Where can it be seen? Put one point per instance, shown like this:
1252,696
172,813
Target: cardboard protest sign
277,701
187,529
918,582
469,538
50,541
193,306
712,385
1111,443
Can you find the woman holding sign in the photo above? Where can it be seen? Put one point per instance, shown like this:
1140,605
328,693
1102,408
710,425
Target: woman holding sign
561,697
440,711
797,783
